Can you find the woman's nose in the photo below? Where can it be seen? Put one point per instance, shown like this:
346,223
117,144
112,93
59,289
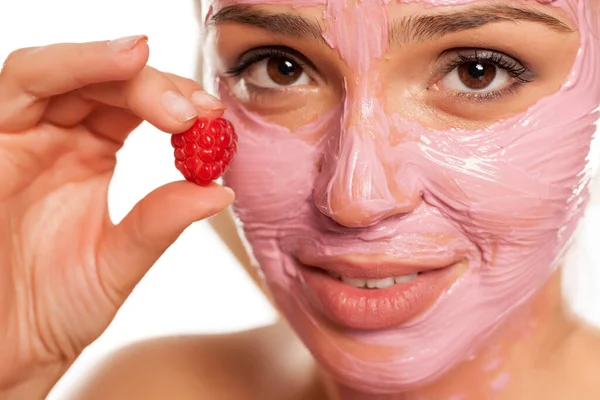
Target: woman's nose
361,182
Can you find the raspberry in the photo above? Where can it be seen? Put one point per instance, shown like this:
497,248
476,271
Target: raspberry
203,152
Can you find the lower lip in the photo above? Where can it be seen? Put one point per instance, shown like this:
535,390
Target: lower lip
374,309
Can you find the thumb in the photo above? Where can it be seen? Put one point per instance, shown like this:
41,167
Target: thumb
133,246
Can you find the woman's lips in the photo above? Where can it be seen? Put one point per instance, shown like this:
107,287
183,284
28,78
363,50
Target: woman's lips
332,290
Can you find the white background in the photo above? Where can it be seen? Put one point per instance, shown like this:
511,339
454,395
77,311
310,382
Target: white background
189,289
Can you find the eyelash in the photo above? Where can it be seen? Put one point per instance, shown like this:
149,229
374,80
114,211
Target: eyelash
257,55
513,67
510,65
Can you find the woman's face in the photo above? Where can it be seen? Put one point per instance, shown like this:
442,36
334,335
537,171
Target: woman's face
408,172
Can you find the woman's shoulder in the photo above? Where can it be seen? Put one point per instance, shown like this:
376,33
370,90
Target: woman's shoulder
261,363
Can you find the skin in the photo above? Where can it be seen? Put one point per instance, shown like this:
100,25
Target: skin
56,111
296,106
61,267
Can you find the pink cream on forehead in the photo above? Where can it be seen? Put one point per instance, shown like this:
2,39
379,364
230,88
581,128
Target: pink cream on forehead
510,196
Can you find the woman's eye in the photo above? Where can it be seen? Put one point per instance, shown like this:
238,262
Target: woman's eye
476,76
276,72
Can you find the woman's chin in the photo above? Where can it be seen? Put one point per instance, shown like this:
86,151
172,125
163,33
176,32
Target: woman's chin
358,365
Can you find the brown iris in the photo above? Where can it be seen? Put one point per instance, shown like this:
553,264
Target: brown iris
283,71
476,75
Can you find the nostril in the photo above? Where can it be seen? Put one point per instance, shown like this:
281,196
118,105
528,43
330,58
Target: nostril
319,166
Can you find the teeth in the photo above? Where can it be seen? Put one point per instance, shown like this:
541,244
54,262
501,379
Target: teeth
376,283
405,278
380,283
359,283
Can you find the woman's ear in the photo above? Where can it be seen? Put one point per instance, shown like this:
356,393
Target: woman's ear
225,227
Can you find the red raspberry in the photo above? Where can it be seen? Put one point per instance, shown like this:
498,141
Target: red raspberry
203,152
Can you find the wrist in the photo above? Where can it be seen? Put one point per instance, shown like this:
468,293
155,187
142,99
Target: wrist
36,386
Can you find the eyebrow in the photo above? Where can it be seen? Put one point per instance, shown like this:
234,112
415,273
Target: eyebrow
280,23
429,27
416,28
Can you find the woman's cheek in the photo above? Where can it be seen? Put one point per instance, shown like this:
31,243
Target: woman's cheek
270,177
274,170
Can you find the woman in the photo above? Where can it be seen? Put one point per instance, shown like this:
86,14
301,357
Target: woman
409,177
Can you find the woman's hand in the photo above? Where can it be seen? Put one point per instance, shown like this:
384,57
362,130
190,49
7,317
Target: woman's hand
65,269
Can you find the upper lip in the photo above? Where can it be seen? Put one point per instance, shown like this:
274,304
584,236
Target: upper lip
373,266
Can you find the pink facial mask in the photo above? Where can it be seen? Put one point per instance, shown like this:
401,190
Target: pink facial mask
507,198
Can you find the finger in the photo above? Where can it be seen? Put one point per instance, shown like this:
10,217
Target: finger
155,98
71,108
68,110
115,124
203,102
135,244
112,123
29,76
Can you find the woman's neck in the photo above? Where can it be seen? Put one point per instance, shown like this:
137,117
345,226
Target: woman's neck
515,363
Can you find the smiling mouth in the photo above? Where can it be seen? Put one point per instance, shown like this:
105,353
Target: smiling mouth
378,295
366,272
374,283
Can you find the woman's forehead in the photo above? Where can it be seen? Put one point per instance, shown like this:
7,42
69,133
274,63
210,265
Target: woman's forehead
351,3
384,3
314,8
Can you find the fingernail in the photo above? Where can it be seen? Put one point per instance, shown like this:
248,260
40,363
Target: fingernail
230,191
178,106
206,101
126,43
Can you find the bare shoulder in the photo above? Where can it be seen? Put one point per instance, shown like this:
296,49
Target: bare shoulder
264,363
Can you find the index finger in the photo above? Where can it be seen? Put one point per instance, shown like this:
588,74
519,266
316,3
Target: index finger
29,76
